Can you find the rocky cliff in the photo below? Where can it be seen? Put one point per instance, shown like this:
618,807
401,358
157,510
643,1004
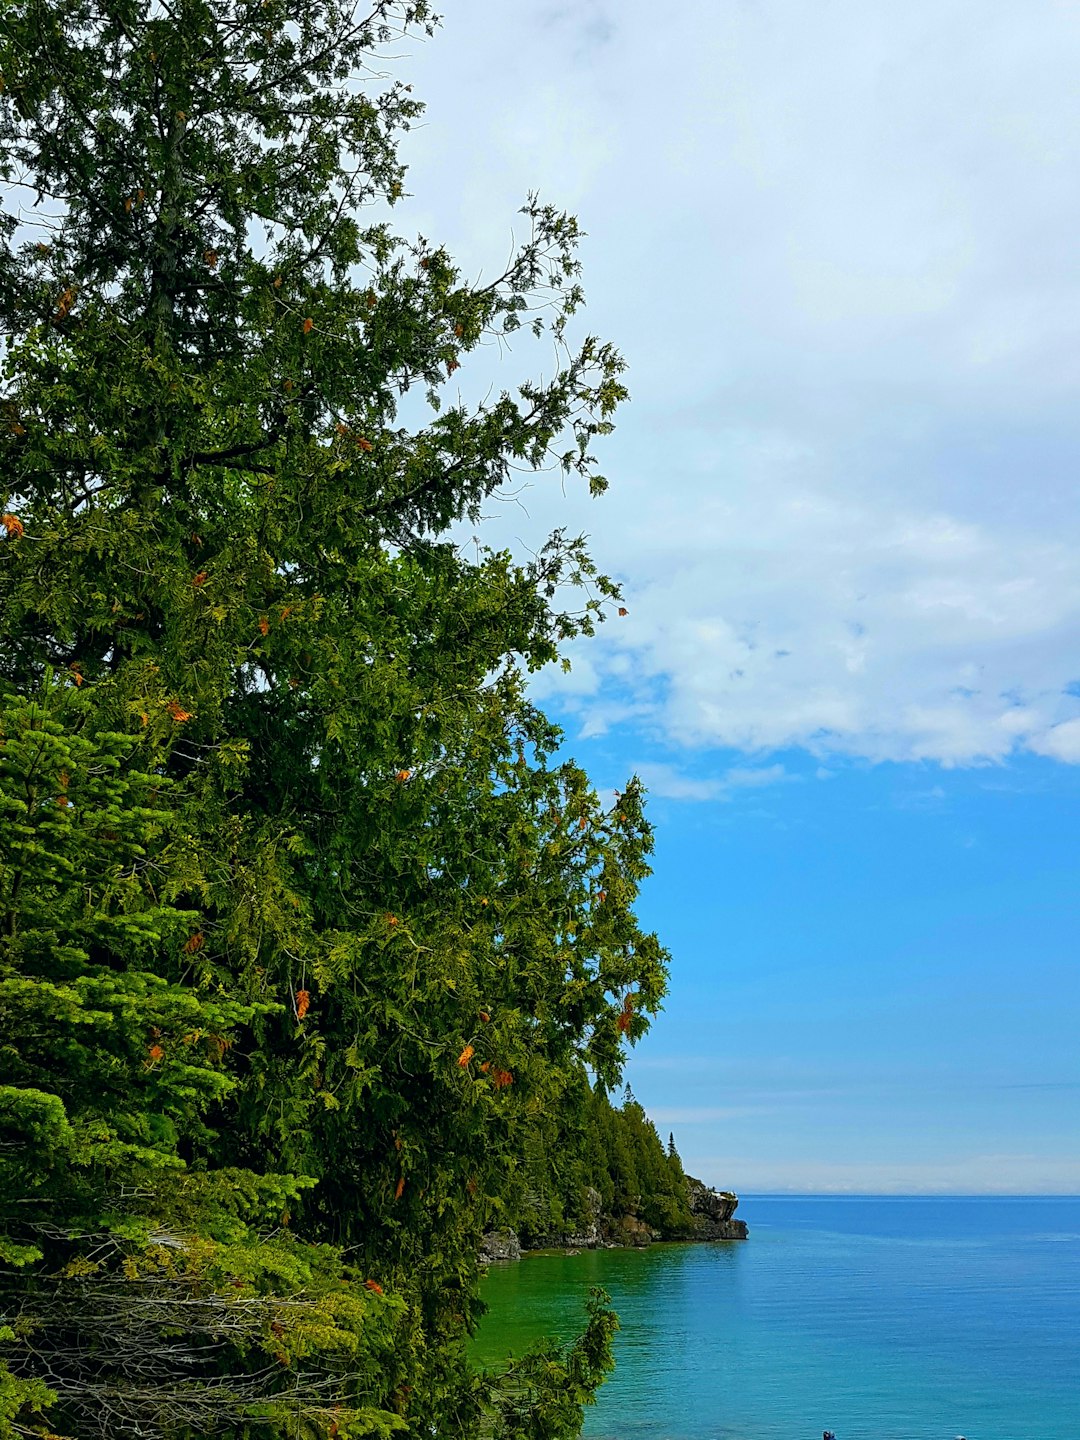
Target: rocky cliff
712,1212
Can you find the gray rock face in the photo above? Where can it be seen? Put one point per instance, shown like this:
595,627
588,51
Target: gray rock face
709,1204
588,1238
591,1233
499,1245
629,1230
713,1211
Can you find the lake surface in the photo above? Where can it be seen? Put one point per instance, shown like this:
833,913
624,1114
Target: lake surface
879,1319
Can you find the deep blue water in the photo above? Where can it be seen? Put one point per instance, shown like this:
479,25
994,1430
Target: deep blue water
879,1319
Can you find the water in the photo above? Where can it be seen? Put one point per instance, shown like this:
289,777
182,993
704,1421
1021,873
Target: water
879,1319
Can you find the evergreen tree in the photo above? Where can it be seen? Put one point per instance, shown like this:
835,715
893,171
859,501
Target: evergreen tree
324,923
599,1137
614,1151
109,1071
675,1164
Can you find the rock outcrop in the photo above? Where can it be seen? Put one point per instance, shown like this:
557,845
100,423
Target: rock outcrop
713,1211
589,1236
499,1245
629,1230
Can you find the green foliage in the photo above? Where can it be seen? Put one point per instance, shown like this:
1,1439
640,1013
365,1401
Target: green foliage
106,1065
588,1145
305,922
542,1396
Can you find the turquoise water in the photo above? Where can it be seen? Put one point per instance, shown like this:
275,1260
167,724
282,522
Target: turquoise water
878,1319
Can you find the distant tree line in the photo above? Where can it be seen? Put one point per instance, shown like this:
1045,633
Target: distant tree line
605,1163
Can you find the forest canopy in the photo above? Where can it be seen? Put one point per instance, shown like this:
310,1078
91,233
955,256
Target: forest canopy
309,928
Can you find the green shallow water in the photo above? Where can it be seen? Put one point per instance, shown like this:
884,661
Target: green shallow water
878,1319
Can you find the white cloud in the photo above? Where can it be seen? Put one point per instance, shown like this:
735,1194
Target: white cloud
667,782
836,244
1061,742
850,628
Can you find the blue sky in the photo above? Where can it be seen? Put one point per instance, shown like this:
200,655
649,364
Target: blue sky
837,246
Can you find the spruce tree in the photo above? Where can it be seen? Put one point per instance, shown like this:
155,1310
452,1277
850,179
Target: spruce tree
345,920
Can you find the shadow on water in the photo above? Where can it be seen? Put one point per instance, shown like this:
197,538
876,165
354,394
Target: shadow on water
543,1295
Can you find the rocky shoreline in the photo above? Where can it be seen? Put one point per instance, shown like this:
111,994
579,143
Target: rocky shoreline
712,1210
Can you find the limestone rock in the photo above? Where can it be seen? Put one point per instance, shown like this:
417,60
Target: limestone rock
588,1237
713,1211
499,1245
629,1230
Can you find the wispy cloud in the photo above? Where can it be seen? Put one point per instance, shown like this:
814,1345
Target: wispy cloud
667,782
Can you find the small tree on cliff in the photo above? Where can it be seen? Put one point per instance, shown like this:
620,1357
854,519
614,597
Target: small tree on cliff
359,865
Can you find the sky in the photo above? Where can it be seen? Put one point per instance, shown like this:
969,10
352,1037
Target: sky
837,246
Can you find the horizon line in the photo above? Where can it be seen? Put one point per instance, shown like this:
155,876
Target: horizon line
907,1195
